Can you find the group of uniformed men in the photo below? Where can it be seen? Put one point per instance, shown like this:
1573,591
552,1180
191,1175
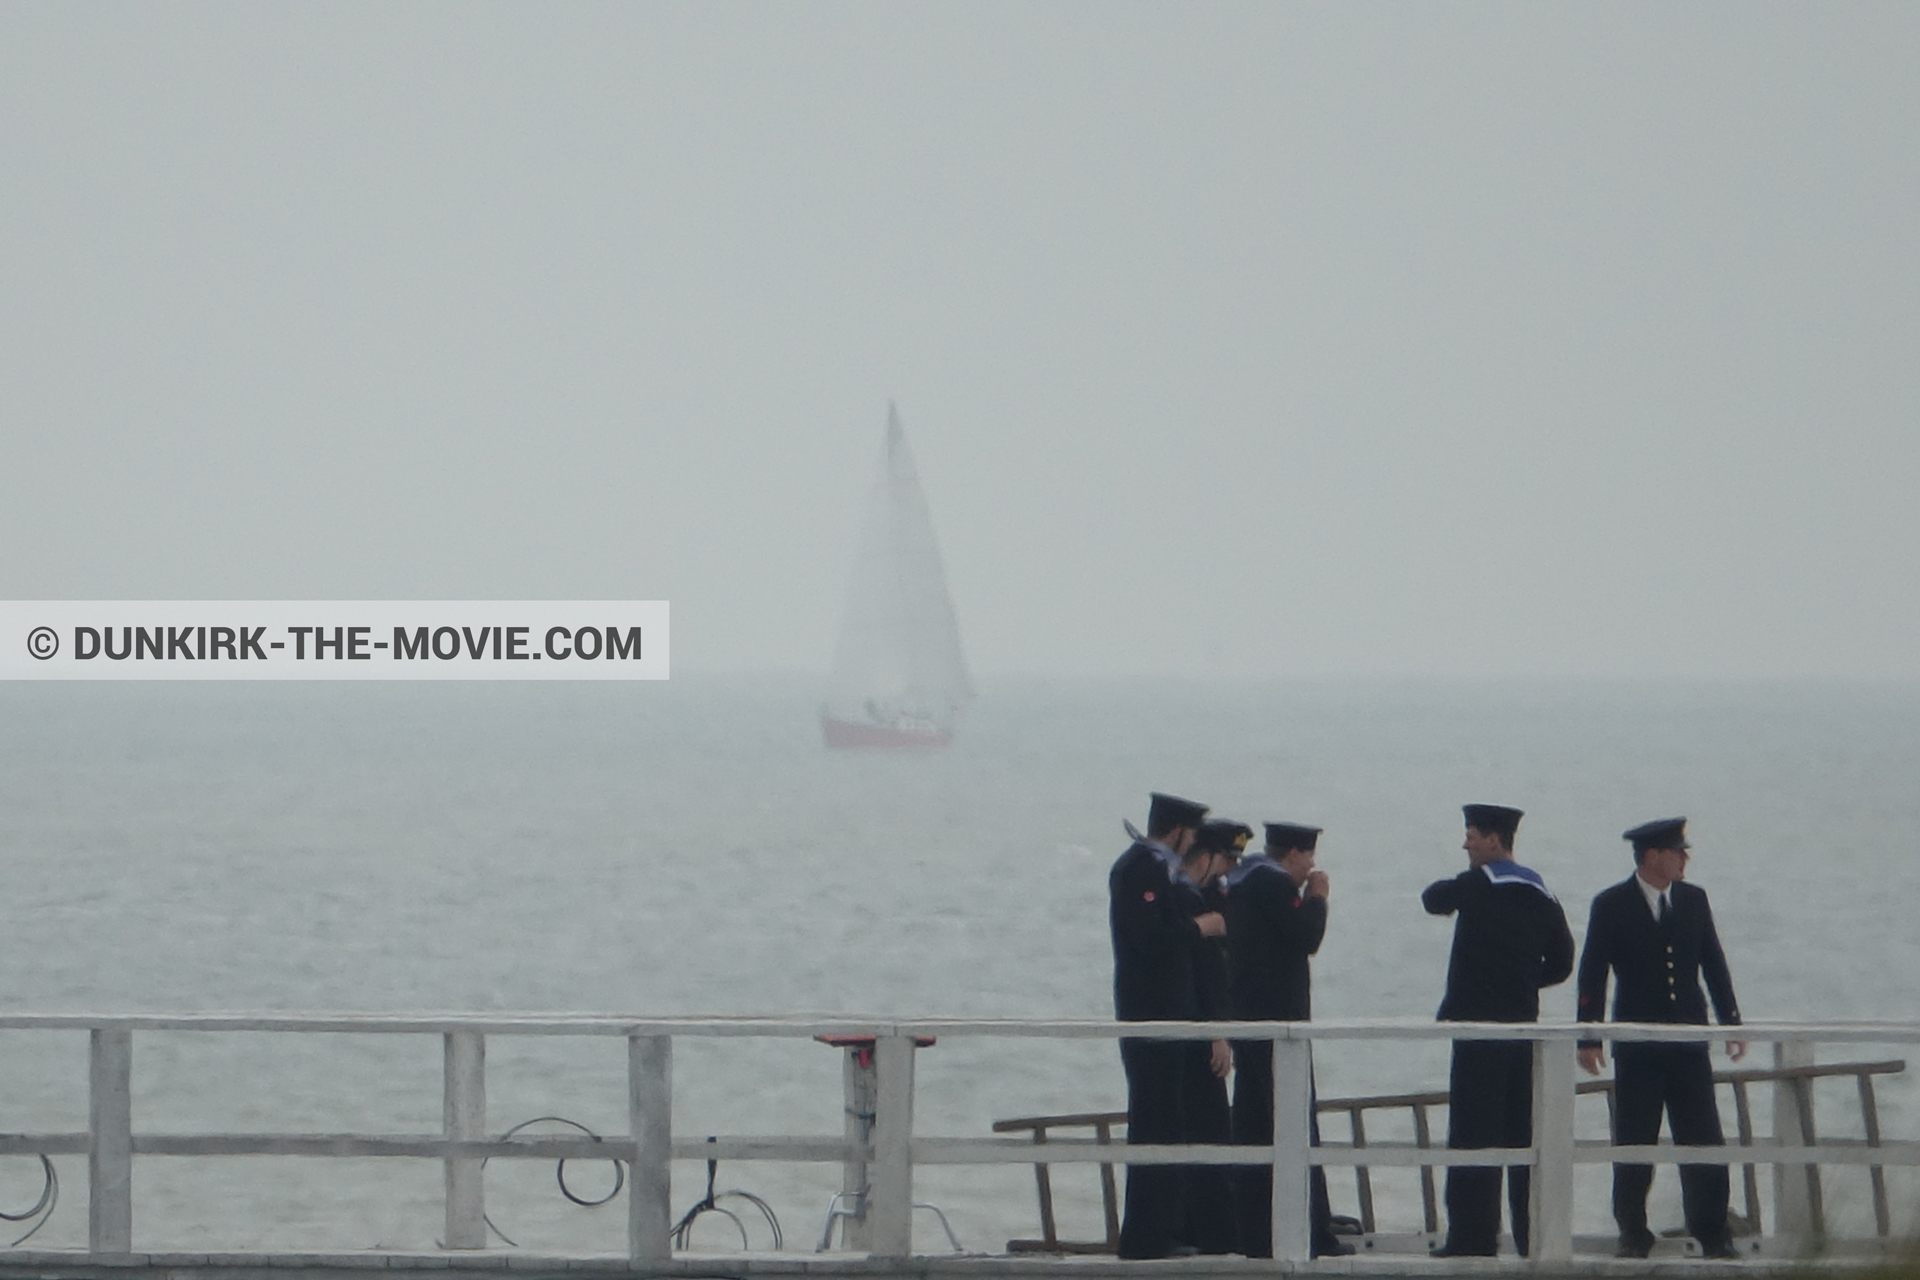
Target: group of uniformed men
1204,932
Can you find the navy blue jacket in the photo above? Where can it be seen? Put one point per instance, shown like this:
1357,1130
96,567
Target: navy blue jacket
1658,967
1210,957
1272,931
1154,940
1510,940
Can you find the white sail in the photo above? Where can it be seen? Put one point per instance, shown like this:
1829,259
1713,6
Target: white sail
898,663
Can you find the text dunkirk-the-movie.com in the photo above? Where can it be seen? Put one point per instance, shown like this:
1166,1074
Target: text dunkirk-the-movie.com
333,640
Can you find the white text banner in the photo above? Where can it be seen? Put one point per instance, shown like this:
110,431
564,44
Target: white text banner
333,640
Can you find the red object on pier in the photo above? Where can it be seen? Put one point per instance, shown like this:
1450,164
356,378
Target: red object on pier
863,1045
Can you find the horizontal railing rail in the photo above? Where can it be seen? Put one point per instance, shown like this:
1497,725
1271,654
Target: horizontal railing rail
888,1149
510,1024
796,1148
1406,1155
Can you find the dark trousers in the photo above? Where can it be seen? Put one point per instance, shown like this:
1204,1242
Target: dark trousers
1677,1078
1154,1217
1490,1087
1253,1184
1209,1223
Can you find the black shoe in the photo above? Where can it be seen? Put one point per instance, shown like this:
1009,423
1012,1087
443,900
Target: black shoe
1333,1249
1448,1251
1171,1251
1633,1248
1723,1251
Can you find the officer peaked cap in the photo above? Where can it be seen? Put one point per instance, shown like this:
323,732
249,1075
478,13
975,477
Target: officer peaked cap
1285,837
1167,811
1665,833
1218,835
1493,819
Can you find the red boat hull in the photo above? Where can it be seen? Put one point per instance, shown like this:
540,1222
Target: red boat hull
847,734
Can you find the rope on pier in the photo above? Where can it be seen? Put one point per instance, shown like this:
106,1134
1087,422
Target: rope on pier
709,1203
682,1230
43,1207
560,1172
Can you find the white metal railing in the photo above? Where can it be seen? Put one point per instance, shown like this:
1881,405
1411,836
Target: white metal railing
893,1151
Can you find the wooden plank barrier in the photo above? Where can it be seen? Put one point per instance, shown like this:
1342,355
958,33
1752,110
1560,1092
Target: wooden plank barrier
1797,1079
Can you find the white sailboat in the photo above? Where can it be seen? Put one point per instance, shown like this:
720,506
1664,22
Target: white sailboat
898,677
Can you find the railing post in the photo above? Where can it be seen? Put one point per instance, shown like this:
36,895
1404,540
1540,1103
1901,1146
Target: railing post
860,1085
1792,1189
1043,1183
1292,1148
1362,1178
1109,1194
1749,1176
890,1201
110,1134
1551,1210
650,1122
464,1119
1870,1118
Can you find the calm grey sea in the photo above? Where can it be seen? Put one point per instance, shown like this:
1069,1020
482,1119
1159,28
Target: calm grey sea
690,848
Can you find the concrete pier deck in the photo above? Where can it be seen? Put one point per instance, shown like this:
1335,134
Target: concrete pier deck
78,1265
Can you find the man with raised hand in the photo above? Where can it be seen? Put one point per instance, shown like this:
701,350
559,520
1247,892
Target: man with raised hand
1654,932
1510,939
1210,1225
1155,934
1276,909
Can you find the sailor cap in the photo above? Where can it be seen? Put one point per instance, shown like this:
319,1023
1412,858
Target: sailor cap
1285,837
1165,812
1662,833
1493,819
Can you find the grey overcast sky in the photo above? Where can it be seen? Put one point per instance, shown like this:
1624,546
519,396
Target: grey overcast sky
1484,340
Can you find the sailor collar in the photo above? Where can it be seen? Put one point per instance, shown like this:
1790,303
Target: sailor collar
1168,858
1507,871
1249,865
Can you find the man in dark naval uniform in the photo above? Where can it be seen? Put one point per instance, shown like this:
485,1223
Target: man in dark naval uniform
1155,935
1510,940
1276,910
1654,932
1209,1188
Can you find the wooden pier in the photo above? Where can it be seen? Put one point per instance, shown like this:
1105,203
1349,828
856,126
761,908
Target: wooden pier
879,1150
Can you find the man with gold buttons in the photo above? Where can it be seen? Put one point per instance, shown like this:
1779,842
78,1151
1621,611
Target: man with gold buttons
1654,934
